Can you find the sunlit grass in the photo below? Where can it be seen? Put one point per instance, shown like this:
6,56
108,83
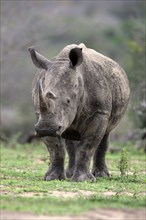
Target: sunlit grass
23,187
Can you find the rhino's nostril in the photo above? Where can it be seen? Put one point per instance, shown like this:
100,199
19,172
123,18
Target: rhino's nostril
36,127
59,127
58,131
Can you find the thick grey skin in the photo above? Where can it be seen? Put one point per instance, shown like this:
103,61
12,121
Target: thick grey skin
56,148
99,100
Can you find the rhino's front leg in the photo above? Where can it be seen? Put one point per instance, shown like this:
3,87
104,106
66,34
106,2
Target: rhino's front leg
87,147
56,148
71,150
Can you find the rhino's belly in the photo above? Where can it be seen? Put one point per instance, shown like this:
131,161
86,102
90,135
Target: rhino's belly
120,98
115,118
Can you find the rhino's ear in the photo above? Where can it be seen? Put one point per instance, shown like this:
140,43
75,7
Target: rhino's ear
39,61
76,57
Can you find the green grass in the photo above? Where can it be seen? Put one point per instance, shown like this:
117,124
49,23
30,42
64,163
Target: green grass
23,187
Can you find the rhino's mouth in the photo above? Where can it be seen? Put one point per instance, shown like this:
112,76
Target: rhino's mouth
71,134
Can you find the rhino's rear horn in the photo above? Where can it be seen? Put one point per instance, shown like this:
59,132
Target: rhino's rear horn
76,57
39,61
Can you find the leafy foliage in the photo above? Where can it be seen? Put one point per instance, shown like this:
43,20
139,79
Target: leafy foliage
124,163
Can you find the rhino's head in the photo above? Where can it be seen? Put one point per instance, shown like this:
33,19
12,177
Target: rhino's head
57,94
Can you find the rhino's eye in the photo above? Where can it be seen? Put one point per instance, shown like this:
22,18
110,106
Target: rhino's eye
68,101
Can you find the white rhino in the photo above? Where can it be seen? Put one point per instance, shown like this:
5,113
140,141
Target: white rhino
79,97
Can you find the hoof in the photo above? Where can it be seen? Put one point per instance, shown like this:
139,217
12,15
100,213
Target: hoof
69,173
54,176
83,177
102,173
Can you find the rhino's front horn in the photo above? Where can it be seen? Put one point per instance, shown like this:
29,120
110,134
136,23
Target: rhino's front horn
39,61
42,102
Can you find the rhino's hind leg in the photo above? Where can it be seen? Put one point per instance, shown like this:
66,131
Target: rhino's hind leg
99,165
56,148
71,150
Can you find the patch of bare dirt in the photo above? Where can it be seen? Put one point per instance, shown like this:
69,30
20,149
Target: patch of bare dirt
5,192
126,193
65,194
117,214
72,194
62,194
97,214
40,160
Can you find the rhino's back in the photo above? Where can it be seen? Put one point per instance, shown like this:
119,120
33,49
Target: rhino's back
117,81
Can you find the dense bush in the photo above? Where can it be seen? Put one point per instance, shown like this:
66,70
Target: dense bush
116,29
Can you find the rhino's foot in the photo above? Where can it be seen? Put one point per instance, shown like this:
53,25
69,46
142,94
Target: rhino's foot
100,173
83,177
69,172
54,176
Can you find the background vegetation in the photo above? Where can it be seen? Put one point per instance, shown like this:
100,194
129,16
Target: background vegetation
116,29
